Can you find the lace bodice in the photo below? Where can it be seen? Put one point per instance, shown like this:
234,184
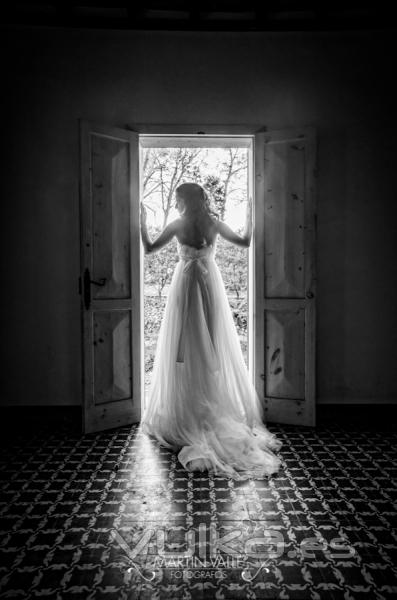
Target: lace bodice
196,257
190,252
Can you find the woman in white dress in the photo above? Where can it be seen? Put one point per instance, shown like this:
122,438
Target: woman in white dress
201,402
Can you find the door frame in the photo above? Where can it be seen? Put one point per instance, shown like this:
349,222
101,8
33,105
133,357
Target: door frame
195,129
221,132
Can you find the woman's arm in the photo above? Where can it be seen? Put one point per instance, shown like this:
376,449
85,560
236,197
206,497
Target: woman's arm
165,236
230,235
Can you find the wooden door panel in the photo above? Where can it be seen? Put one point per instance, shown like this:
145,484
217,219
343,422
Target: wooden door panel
285,331
111,216
111,275
284,221
112,355
285,278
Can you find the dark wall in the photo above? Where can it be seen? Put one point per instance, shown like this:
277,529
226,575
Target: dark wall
341,83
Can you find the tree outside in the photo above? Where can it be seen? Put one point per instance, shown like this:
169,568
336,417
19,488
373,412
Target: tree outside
223,172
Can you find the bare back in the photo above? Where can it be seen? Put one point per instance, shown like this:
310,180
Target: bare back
197,231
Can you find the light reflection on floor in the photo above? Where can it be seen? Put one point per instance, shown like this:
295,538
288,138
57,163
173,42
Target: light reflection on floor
113,515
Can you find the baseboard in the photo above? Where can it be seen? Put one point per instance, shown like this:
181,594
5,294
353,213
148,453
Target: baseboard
382,416
25,419
376,400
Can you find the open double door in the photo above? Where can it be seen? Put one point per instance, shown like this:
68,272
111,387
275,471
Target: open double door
283,271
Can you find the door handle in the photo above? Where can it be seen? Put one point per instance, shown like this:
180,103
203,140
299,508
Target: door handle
101,282
87,287
309,294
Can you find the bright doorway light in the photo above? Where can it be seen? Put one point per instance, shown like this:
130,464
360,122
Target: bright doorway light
223,167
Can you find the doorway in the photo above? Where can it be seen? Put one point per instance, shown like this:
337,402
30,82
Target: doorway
223,165
281,291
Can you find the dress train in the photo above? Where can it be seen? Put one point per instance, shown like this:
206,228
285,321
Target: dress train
201,402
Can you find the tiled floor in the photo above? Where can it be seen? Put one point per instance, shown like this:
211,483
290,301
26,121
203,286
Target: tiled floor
104,516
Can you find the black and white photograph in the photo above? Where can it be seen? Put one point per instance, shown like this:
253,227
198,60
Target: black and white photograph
199,268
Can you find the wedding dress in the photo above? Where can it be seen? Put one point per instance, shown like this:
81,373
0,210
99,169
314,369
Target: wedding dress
201,401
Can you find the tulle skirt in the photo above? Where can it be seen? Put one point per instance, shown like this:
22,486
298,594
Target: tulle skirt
201,401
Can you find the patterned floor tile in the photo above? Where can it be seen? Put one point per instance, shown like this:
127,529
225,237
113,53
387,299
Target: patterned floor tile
114,516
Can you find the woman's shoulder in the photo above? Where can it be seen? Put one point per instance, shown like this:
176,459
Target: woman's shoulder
175,225
215,220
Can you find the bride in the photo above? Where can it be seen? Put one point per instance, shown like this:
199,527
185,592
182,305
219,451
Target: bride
201,402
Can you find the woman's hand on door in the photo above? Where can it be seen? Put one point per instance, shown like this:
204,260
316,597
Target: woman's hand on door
143,214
